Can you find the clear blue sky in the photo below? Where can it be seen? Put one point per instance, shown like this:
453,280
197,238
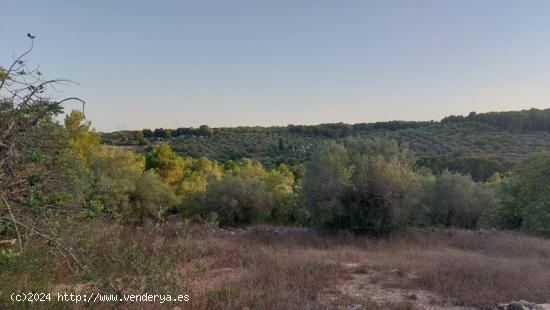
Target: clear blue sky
226,63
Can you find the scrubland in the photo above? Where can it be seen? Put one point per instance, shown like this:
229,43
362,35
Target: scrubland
273,268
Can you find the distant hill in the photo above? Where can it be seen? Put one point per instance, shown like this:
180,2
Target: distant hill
479,144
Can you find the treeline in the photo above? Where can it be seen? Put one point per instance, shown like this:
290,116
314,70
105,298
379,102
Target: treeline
525,120
478,144
121,185
369,185
480,168
329,130
373,186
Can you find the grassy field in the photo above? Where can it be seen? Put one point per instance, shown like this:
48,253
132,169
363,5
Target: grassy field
273,268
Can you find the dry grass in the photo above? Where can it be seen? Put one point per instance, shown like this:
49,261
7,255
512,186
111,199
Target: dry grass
299,270
302,270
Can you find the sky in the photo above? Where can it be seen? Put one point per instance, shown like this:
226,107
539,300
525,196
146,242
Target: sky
167,63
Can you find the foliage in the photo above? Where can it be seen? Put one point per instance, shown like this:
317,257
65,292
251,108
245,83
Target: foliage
525,120
34,156
165,162
469,145
526,198
237,200
150,199
327,176
455,200
112,174
366,185
81,136
480,168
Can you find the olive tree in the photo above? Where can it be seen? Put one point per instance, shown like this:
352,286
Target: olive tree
362,185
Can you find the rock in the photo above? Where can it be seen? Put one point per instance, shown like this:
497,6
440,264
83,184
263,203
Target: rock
523,305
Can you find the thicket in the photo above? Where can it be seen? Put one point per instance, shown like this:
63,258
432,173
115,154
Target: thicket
363,186
525,198
455,200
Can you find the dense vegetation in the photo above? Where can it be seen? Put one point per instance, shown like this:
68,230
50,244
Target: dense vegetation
479,144
58,180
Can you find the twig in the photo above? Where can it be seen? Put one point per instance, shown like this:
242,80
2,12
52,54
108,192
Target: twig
57,244
14,224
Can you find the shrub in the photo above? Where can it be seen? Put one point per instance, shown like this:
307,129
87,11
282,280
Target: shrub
111,176
165,162
365,185
237,200
326,177
525,202
456,200
150,199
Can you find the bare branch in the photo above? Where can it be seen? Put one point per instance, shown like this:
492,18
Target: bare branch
14,223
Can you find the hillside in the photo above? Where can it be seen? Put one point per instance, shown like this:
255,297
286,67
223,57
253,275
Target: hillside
479,144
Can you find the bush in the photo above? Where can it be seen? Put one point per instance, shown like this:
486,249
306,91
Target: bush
365,185
326,177
289,210
111,175
165,162
150,199
456,200
237,200
525,202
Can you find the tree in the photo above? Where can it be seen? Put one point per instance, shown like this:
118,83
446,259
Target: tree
365,185
138,135
204,130
525,201
281,145
162,133
30,151
237,200
165,162
327,175
81,136
248,168
111,175
147,133
280,181
456,200
149,200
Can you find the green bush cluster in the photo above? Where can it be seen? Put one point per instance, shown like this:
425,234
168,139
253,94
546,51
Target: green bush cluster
525,198
360,184
363,185
240,192
455,200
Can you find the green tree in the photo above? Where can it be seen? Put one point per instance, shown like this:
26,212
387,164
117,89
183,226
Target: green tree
204,130
167,164
237,200
326,176
456,200
525,200
149,200
365,185
82,137
112,174
248,168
